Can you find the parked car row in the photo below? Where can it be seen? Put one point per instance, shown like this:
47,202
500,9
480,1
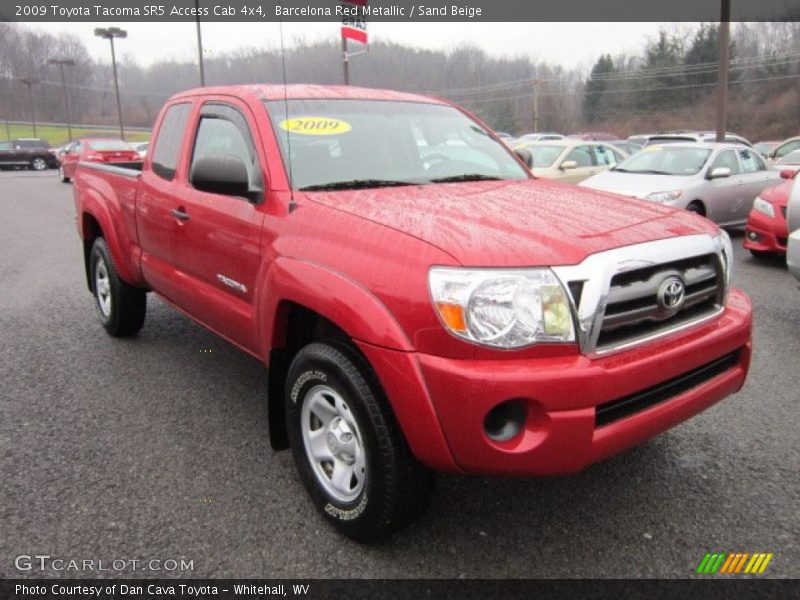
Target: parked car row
28,153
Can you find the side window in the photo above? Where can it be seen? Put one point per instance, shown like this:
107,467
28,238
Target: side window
168,144
223,130
606,157
5,145
750,161
726,159
581,155
76,148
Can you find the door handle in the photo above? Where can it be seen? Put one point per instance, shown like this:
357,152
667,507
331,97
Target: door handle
180,214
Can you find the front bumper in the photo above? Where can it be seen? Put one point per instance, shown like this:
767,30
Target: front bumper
766,234
561,394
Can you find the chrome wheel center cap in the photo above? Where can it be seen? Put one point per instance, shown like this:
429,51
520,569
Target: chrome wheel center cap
340,440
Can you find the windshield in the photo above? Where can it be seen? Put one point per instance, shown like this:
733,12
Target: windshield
109,145
666,160
763,148
544,156
793,158
341,144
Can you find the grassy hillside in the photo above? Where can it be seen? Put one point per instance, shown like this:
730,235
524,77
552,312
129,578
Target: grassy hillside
57,136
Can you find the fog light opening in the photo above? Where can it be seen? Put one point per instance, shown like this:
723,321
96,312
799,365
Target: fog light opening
505,421
753,236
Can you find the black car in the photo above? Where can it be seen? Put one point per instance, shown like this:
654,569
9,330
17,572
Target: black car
31,153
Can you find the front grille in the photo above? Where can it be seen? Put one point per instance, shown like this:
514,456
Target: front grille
633,310
629,405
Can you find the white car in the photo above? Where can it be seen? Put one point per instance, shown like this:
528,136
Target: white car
793,221
718,181
141,148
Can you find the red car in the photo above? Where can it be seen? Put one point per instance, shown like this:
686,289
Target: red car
421,301
100,150
766,231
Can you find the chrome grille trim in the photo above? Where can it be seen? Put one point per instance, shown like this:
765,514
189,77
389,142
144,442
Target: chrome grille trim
594,275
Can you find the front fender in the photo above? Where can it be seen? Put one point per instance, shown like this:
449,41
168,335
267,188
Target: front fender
377,334
341,300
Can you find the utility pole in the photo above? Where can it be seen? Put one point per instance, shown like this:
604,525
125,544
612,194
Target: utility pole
110,33
200,46
536,83
345,62
61,64
724,62
30,82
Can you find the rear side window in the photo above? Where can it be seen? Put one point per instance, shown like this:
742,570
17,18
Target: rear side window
168,144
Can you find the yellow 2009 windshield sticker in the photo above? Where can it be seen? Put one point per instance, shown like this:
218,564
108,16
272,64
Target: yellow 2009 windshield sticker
315,126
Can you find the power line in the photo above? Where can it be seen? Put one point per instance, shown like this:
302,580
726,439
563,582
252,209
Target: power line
632,90
656,72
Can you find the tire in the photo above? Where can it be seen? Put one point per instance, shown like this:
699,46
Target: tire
38,163
331,389
64,178
697,208
122,307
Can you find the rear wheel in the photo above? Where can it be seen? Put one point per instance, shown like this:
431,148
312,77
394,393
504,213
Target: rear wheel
121,306
38,164
348,448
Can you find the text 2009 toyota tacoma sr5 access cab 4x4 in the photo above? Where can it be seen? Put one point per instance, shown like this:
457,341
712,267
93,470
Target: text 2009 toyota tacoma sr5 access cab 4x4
422,302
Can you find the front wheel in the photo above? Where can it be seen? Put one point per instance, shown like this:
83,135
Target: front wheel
348,448
38,164
121,306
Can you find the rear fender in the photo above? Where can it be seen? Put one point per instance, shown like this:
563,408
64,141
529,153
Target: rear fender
111,221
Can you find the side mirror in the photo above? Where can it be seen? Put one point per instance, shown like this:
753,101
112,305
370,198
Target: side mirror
568,164
220,174
719,173
525,155
788,173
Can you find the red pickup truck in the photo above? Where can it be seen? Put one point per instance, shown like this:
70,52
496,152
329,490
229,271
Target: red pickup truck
422,302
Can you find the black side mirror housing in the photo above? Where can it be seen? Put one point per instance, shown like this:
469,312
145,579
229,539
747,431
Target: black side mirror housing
525,155
224,174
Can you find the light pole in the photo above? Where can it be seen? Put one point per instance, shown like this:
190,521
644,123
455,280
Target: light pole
30,82
61,62
724,62
110,33
200,46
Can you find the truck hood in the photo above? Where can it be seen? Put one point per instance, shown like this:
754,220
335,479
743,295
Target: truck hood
635,184
515,223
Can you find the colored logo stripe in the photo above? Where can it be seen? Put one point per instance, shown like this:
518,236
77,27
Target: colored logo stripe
720,562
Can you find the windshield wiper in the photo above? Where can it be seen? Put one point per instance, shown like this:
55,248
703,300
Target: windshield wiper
466,177
354,184
645,172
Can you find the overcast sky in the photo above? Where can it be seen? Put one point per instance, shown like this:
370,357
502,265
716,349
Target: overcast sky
568,44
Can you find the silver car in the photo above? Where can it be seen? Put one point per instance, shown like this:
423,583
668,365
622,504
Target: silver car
793,221
719,181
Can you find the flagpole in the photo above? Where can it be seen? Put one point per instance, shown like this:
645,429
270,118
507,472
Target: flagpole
345,61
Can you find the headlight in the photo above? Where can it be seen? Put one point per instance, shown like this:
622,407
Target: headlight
664,196
724,242
764,207
502,308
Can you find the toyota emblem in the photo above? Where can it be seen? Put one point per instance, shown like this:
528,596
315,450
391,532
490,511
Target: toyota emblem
671,294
